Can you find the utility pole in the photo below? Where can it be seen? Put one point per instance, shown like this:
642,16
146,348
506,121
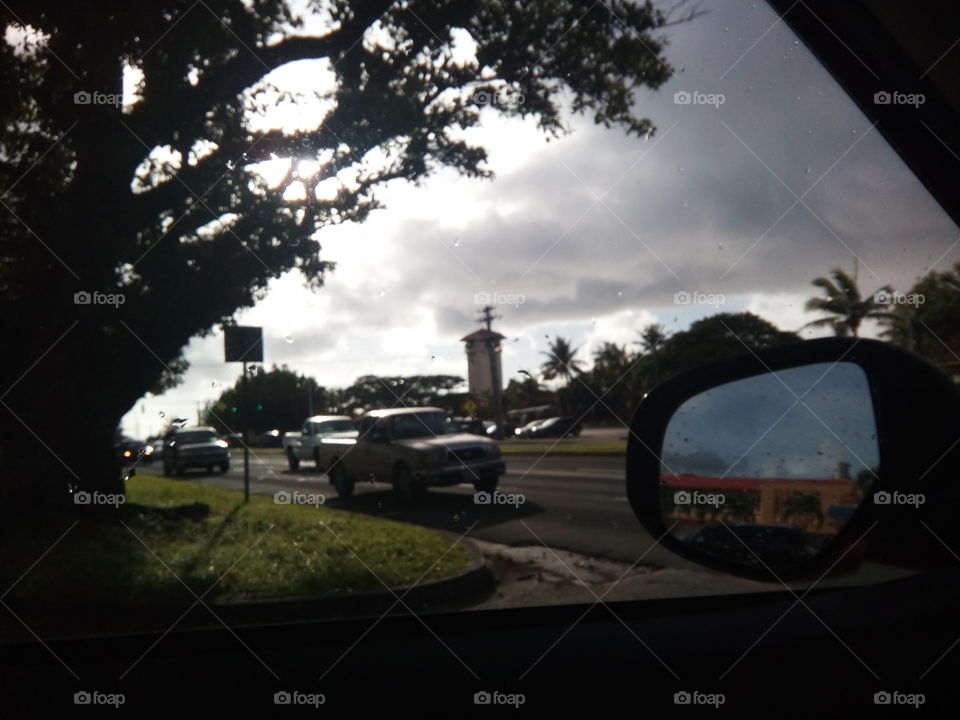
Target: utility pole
496,373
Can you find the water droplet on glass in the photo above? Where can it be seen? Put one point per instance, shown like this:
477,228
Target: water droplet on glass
680,169
289,339
456,243
163,414
619,293
382,292
806,171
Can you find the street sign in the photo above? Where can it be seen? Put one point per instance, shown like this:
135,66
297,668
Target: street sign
243,344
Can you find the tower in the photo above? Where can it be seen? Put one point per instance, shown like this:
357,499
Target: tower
484,373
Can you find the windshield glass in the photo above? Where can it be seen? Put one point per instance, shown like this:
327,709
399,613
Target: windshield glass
426,424
195,437
335,426
497,211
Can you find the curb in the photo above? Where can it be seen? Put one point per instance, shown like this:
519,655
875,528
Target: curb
476,581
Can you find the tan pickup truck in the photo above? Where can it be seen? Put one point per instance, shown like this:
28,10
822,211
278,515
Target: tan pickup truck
413,449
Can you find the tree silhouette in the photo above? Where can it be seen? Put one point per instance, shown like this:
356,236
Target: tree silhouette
163,200
651,338
561,361
844,306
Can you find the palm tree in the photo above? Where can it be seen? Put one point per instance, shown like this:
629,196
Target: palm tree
561,361
901,328
610,358
844,304
651,337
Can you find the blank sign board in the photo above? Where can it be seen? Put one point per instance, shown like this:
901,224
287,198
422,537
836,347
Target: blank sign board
243,344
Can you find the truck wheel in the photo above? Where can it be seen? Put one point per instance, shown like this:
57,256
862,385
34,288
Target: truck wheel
486,483
340,481
224,467
316,459
405,486
293,460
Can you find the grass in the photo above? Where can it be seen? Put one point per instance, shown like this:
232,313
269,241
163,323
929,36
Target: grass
208,538
565,446
530,448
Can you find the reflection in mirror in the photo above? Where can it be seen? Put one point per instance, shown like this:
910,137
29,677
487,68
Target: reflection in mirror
766,470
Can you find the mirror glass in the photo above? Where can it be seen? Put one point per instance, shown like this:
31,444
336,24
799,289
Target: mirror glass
765,471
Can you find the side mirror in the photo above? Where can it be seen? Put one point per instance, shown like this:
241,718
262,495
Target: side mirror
784,463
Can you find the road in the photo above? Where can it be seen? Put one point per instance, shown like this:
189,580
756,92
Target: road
576,503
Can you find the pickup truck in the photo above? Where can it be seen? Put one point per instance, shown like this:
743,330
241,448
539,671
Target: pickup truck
322,437
415,448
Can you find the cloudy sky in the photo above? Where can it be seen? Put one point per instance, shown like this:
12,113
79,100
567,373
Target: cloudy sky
592,236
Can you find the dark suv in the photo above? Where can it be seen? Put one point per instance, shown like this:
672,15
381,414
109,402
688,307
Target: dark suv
195,447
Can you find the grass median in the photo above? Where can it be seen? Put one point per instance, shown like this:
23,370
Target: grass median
524,447
170,531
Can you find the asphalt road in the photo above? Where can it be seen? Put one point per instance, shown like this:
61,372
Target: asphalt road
575,503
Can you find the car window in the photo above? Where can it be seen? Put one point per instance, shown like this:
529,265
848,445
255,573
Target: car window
185,438
335,426
407,242
425,424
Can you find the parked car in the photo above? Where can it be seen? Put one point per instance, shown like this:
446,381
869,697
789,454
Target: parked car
525,430
509,429
322,437
195,447
416,448
268,439
475,426
557,427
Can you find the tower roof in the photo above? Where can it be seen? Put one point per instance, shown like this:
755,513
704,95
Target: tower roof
482,334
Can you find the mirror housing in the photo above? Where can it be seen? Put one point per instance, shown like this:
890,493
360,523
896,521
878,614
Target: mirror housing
915,407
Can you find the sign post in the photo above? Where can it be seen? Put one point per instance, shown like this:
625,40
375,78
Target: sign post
244,344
